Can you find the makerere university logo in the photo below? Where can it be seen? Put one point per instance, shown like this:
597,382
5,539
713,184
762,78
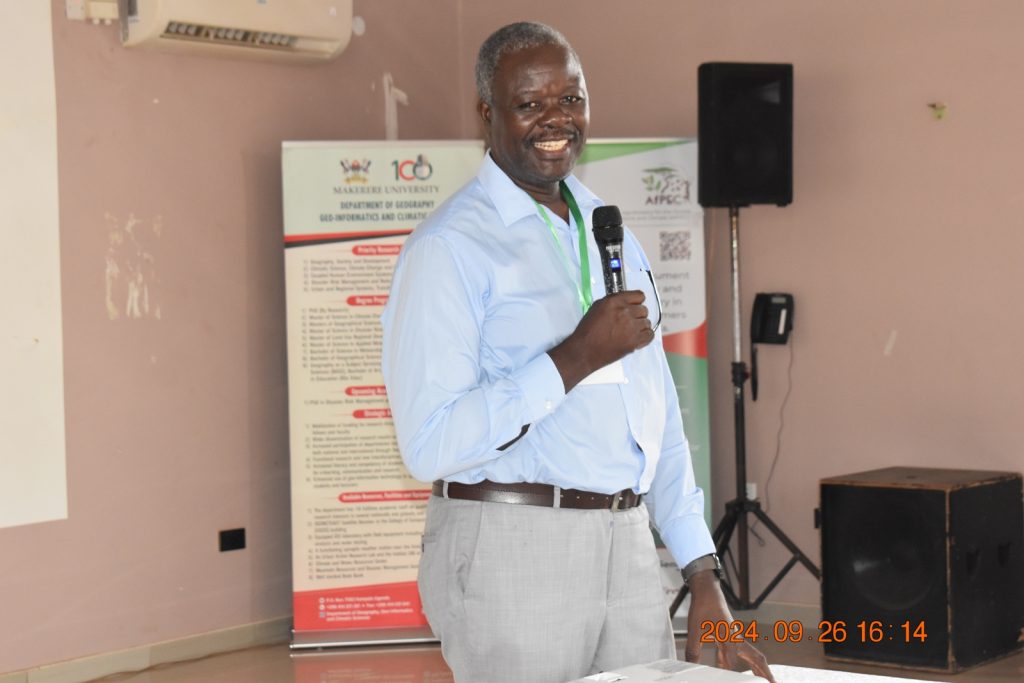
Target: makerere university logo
356,170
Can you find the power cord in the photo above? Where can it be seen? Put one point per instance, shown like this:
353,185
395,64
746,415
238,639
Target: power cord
778,441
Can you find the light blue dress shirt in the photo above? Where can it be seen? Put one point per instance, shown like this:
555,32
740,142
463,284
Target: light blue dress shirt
480,293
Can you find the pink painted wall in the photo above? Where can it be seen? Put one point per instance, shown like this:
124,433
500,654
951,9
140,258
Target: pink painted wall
904,234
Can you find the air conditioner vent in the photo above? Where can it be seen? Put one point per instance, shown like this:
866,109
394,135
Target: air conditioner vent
229,36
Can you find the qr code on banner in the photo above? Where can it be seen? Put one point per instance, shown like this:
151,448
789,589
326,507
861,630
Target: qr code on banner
675,245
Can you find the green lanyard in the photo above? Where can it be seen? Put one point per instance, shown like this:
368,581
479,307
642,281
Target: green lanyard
583,287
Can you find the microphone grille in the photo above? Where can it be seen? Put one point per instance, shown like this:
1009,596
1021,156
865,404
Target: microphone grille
605,216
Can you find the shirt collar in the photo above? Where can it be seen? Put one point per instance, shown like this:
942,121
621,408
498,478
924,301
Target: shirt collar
513,203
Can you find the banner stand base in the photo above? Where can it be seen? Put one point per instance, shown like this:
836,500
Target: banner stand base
312,640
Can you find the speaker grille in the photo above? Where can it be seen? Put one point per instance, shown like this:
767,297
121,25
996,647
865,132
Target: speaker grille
944,549
886,564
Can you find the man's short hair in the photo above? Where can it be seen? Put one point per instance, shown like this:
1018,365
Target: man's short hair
512,38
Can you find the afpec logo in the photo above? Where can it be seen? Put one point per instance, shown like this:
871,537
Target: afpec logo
664,185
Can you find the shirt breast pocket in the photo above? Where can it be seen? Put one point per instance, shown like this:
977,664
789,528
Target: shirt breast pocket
643,279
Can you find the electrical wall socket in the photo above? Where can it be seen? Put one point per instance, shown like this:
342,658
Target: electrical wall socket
232,539
752,490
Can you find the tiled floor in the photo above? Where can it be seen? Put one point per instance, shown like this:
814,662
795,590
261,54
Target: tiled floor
423,664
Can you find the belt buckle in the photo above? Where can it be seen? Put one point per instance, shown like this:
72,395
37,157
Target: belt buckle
616,499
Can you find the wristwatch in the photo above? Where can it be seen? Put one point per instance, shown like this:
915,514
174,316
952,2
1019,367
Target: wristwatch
703,563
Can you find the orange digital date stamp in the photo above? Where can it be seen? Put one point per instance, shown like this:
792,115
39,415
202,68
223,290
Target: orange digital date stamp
783,631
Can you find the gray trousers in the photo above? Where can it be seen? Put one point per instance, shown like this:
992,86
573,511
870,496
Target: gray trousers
528,594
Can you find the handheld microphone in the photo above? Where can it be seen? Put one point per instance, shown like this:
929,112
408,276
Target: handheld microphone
608,235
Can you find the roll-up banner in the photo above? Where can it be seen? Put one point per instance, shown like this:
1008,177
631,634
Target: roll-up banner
654,184
357,515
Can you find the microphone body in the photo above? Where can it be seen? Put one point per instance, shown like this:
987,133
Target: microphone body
607,222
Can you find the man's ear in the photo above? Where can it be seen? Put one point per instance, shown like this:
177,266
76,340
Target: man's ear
485,112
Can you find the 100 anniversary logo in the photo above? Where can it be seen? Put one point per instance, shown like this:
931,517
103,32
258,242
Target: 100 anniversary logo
407,170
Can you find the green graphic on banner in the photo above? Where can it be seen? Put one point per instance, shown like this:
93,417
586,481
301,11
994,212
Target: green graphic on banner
599,150
691,377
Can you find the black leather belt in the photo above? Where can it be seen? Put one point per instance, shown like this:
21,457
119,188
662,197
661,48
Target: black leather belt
542,495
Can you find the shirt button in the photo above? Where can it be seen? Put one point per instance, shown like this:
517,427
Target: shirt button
547,406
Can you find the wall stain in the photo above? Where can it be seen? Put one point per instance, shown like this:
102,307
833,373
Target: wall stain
132,282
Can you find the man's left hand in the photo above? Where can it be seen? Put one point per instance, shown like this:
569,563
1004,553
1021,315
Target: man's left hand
707,604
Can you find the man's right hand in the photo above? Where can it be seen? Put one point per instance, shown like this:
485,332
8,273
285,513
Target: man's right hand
615,326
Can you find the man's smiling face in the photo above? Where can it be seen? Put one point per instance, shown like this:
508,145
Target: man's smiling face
537,125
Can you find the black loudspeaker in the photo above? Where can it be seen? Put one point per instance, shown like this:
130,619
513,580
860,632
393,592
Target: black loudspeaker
922,568
744,134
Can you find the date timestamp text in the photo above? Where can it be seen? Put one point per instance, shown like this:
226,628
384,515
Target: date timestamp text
827,632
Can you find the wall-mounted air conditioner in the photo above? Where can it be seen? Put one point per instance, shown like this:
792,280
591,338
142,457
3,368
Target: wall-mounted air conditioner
290,30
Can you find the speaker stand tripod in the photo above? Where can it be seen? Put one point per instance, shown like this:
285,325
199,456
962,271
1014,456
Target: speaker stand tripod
736,510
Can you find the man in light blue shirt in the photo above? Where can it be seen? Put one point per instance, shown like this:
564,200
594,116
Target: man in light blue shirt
539,406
